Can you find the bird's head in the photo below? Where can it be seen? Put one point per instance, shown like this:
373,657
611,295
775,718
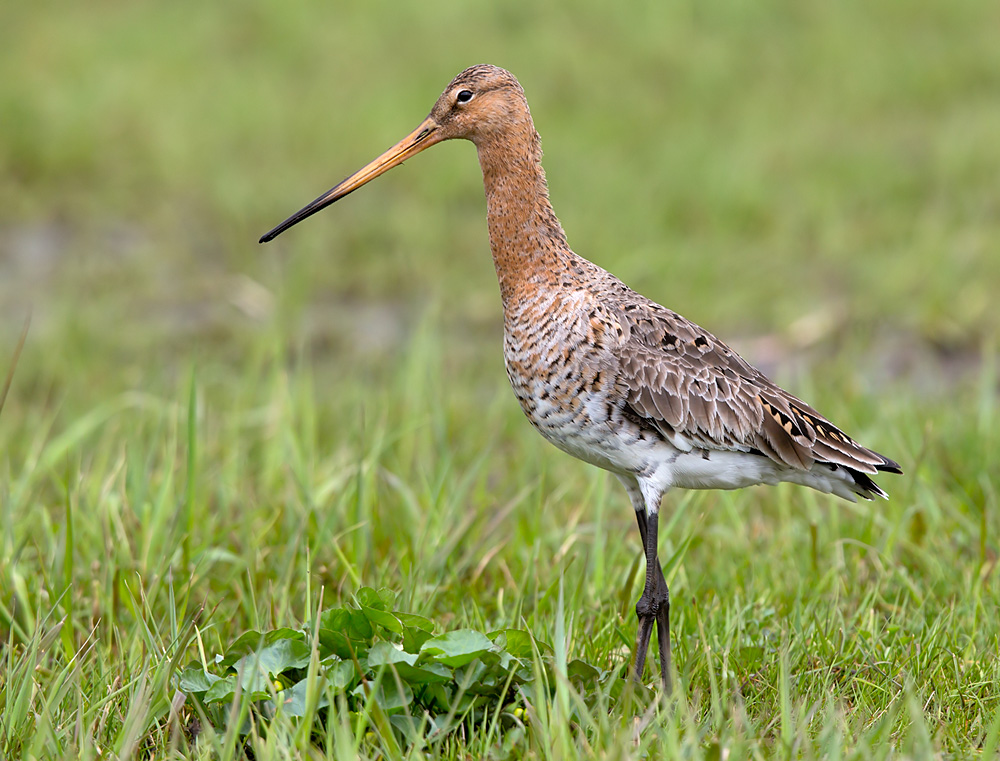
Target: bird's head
480,103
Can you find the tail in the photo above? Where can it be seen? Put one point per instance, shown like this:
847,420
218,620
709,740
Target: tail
863,485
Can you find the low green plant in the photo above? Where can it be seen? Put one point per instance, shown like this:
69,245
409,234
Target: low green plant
387,665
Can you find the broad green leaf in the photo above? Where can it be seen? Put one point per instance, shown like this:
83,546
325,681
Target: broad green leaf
438,726
583,673
336,643
519,643
507,661
369,598
293,700
388,696
221,690
341,675
457,648
247,642
334,619
386,654
383,618
391,698
388,597
438,696
195,679
353,624
481,678
275,658
415,622
406,725
360,627
383,599
252,678
414,638
252,641
427,673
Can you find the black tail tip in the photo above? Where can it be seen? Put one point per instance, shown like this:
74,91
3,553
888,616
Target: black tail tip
865,487
889,466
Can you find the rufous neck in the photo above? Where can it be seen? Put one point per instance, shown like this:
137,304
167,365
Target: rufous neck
527,241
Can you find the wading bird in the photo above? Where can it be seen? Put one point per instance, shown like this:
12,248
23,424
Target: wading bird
604,373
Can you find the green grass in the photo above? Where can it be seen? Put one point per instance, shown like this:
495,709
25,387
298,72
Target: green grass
205,437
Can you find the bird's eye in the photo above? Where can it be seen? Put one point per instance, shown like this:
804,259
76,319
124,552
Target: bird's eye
464,96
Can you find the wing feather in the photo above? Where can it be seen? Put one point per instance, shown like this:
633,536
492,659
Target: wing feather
685,382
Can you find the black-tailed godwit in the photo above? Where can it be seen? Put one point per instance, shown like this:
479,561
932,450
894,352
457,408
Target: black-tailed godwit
604,373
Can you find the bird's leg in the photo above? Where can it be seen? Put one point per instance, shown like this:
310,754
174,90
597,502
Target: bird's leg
653,605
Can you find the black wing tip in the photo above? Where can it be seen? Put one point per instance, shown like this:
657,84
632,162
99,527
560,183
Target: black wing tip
889,466
865,487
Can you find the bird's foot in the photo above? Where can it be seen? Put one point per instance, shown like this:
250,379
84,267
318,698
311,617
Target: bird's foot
654,607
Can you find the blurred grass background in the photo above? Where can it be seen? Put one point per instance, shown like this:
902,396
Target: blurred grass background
817,182
748,163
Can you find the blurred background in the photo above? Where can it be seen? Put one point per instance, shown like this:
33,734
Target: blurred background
787,174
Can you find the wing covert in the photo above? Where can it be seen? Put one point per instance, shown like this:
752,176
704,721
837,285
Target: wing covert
695,390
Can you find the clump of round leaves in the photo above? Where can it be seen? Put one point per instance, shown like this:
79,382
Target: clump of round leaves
381,662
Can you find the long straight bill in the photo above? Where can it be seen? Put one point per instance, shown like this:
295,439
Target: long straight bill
424,136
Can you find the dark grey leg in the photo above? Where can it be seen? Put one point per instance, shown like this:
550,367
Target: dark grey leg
653,605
